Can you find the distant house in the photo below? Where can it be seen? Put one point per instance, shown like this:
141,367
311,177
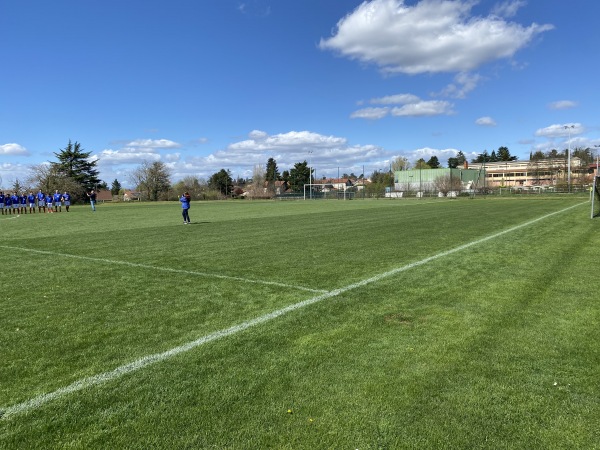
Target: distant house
132,196
104,196
341,184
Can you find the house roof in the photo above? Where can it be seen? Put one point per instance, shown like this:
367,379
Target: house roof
104,195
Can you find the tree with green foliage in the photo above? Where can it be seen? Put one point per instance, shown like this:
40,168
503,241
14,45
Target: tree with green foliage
457,161
222,182
152,179
74,163
421,164
116,187
482,158
434,162
272,173
299,176
504,154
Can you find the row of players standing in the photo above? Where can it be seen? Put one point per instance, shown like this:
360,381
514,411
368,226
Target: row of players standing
19,203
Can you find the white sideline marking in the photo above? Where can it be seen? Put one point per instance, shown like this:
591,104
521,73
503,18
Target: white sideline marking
145,361
165,269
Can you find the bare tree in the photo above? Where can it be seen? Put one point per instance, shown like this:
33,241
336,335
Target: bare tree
152,179
257,189
400,163
447,183
48,178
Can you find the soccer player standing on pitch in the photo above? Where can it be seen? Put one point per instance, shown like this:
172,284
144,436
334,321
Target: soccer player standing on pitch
31,201
66,197
41,199
49,203
185,207
57,204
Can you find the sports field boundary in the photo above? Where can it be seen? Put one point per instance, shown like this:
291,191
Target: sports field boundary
37,402
165,269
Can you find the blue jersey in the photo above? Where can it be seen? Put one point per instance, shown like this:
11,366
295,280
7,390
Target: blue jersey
23,199
66,197
185,202
15,199
7,201
41,196
1,198
31,198
48,198
57,198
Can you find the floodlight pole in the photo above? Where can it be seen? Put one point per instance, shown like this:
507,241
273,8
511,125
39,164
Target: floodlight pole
569,127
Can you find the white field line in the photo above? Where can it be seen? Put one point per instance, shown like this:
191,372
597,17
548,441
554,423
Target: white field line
145,361
164,269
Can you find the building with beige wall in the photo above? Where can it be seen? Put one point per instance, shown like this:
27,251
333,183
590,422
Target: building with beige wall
544,172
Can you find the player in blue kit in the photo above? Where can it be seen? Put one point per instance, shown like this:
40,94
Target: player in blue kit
2,202
15,203
23,203
41,200
185,207
49,204
31,201
66,198
8,204
57,202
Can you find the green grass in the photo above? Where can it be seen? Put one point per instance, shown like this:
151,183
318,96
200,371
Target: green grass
491,346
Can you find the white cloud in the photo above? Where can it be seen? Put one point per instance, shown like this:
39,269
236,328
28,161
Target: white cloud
153,143
13,149
507,9
463,84
125,156
562,104
411,106
486,121
558,130
428,37
370,113
398,99
424,108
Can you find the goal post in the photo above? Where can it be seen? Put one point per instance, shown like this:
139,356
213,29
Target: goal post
596,197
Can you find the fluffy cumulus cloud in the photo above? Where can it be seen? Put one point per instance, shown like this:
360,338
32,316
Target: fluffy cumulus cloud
139,150
324,152
13,150
486,121
430,36
405,105
560,130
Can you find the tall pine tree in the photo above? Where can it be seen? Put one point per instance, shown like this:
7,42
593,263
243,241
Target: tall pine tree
74,163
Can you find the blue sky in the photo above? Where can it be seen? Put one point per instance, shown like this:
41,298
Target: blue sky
203,85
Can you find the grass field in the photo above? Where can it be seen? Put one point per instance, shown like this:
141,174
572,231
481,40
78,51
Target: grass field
302,325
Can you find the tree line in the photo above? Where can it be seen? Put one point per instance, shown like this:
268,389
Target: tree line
74,172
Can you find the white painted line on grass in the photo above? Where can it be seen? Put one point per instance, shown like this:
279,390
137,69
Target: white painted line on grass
138,364
165,269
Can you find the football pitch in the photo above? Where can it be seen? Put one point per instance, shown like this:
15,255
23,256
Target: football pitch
362,324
